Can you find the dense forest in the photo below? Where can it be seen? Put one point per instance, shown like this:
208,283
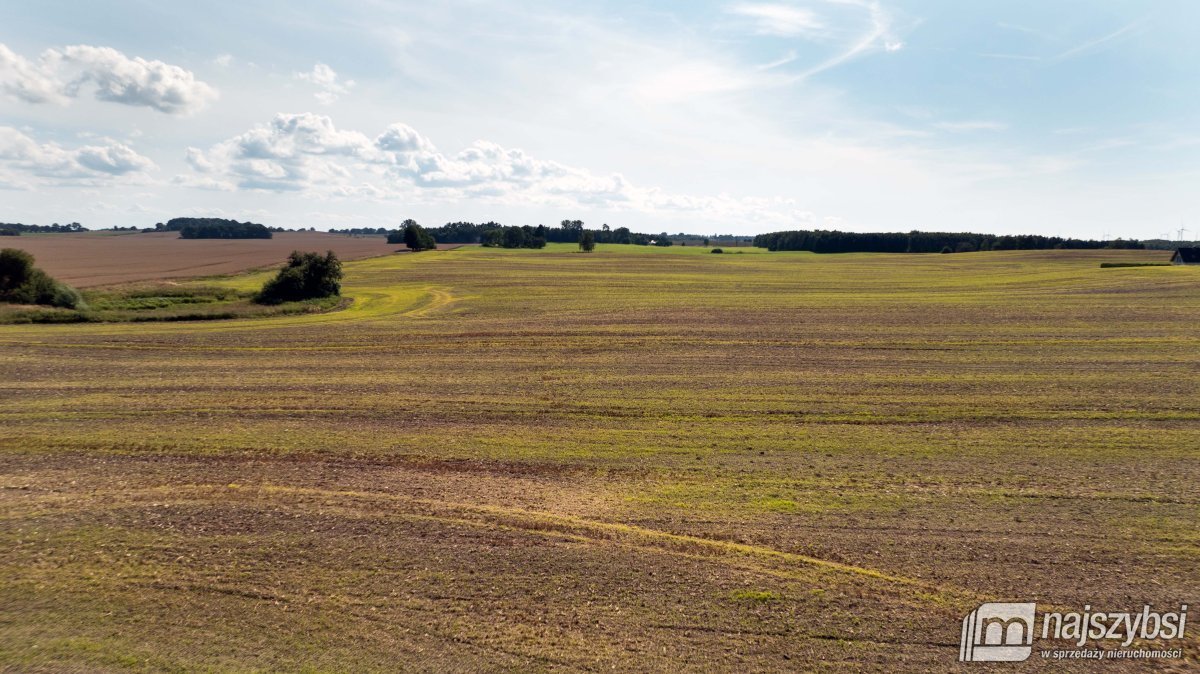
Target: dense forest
214,228
822,241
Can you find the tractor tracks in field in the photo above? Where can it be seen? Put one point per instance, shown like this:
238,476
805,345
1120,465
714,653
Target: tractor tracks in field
362,307
386,506
438,299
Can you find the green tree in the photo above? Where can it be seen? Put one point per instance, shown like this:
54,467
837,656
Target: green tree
23,283
416,238
587,241
493,238
305,276
514,237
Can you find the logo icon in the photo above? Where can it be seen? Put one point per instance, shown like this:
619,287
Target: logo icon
998,632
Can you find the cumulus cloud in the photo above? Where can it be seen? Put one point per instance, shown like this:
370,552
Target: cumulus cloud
293,152
58,76
28,81
52,162
330,86
306,153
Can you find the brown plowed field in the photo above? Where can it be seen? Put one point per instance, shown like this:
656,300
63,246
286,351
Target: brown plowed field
101,258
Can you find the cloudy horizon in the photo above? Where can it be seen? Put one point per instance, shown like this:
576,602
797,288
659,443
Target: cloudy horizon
715,117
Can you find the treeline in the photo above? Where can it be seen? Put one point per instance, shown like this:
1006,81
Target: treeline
822,241
17,228
215,228
361,231
570,231
518,236
1167,244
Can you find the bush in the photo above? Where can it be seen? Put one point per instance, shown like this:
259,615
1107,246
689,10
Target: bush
587,241
717,250
22,283
306,276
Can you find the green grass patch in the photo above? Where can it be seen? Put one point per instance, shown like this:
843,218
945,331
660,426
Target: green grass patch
165,302
756,596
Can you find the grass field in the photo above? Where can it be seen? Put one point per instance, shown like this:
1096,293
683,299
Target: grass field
638,459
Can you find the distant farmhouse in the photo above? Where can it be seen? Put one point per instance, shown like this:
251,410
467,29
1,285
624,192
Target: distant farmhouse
1186,256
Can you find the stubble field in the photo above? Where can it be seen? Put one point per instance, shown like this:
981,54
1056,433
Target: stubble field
636,459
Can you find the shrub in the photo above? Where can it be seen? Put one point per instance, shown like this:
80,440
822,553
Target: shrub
717,250
305,276
23,283
587,241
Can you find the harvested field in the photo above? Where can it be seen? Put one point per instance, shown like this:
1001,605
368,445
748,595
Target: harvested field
102,258
639,459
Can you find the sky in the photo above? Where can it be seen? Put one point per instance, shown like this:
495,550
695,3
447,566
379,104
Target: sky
1070,118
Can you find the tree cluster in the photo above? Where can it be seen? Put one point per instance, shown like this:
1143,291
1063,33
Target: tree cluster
515,237
361,231
23,283
413,235
306,276
215,228
16,228
462,232
822,241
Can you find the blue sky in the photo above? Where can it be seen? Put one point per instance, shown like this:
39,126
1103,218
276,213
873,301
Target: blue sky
1070,118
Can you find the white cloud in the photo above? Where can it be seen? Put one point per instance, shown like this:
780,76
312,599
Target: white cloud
114,159
968,126
784,20
856,26
28,81
1095,43
52,162
306,153
59,76
878,34
327,80
293,152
